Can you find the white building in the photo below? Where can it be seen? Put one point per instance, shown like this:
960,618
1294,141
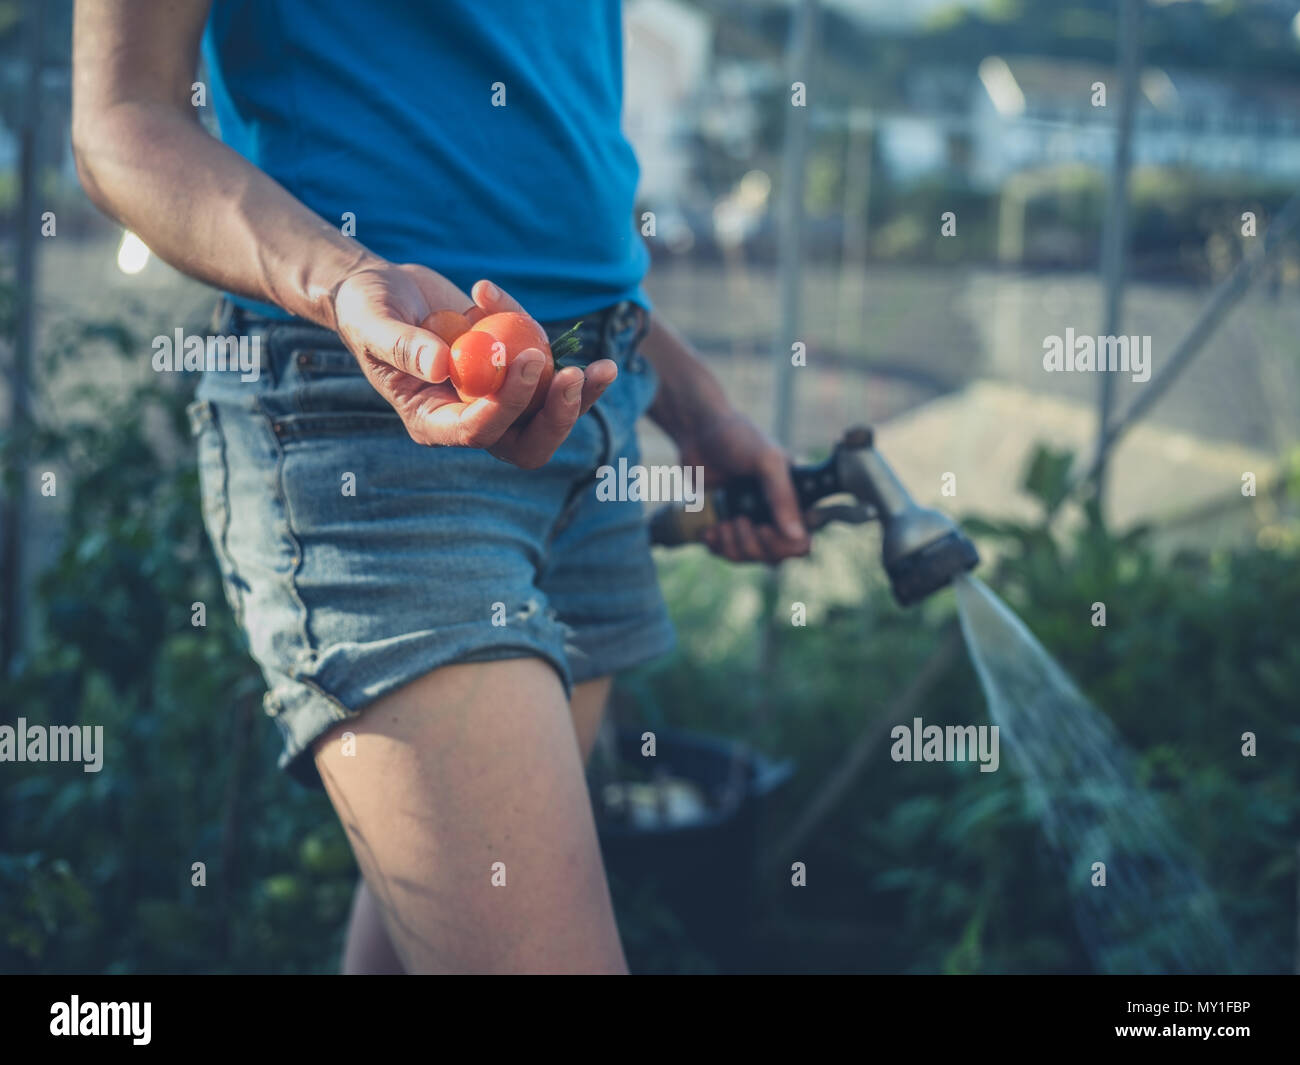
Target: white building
1018,114
667,47
1028,113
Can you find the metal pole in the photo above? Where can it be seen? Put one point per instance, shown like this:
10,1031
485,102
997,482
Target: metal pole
799,58
15,511
857,210
1221,301
1115,231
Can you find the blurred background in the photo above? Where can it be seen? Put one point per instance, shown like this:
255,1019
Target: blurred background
965,180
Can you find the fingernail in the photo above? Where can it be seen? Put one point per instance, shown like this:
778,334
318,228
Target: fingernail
792,530
424,360
491,292
573,392
531,372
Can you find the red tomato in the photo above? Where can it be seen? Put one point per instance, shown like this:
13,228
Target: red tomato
481,356
478,364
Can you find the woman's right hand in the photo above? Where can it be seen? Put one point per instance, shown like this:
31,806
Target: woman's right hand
377,314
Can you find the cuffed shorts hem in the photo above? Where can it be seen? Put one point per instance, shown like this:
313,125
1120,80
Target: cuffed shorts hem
307,706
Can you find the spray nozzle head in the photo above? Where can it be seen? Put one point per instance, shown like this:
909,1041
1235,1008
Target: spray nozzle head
924,570
923,549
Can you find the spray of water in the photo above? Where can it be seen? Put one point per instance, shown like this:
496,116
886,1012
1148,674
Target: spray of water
1155,914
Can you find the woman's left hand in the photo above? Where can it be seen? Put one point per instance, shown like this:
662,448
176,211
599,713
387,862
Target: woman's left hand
728,444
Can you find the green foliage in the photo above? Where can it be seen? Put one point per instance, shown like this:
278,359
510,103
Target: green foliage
95,868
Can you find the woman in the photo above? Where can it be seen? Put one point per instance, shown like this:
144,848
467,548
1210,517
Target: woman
433,592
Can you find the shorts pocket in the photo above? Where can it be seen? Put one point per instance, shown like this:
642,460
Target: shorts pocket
312,362
325,381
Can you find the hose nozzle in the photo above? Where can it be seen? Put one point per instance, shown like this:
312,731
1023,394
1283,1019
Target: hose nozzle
923,550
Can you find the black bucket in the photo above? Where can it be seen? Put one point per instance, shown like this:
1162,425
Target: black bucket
687,821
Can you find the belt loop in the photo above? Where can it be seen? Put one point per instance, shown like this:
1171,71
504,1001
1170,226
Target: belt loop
617,319
636,362
608,327
624,318
642,325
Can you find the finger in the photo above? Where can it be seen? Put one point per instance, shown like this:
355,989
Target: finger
598,377
493,299
547,428
771,547
415,402
777,547
404,347
774,470
747,540
482,422
713,538
727,541
408,395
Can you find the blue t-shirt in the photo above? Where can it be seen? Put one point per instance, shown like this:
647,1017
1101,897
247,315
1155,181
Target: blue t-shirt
481,138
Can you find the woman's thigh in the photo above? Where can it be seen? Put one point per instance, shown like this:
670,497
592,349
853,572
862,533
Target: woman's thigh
464,799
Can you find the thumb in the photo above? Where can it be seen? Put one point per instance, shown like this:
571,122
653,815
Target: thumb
407,348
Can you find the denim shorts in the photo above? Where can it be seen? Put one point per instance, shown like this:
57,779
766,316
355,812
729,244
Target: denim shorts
356,560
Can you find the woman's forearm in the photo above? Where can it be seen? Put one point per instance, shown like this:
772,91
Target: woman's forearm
688,391
144,159
207,211
692,408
